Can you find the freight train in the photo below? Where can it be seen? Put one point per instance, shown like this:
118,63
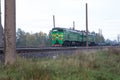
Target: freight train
69,37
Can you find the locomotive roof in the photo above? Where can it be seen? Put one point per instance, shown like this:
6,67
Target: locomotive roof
71,30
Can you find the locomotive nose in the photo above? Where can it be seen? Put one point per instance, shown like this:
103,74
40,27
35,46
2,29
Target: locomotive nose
57,42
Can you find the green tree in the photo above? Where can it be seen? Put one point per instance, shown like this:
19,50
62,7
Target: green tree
20,38
32,39
99,38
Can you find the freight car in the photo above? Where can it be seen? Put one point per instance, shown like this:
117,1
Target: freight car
70,37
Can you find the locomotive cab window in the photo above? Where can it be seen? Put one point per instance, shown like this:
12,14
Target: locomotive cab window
60,30
54,30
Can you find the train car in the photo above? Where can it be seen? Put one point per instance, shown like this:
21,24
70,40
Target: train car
69,37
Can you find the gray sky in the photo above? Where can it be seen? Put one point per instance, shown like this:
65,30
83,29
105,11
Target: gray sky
36,15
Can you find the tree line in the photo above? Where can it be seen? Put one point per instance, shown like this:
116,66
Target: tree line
26,39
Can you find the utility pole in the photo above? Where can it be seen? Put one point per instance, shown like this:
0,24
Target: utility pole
86,25
118,39
54,21
1,28
101,32
73,25
10,32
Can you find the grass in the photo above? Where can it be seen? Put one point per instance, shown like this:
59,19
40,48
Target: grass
102,65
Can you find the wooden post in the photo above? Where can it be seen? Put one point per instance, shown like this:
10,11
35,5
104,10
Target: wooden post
118,37
1,29
54,21
73,25
86,26
10,32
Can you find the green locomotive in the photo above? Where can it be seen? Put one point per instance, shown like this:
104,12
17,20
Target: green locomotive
69,37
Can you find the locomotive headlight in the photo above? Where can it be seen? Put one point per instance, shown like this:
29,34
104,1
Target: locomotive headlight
54,35
61,37
53,38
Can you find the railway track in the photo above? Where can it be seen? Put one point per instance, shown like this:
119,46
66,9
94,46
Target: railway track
49,49
53,51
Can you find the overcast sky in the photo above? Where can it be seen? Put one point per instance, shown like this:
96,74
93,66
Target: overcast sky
37,15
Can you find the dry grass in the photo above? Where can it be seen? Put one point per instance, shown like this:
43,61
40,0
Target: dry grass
101,65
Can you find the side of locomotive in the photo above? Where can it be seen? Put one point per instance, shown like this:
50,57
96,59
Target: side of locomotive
68,37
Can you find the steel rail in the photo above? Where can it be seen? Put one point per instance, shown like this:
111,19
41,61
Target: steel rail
48,49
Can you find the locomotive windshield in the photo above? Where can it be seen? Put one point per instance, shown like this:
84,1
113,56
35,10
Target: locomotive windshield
56,29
